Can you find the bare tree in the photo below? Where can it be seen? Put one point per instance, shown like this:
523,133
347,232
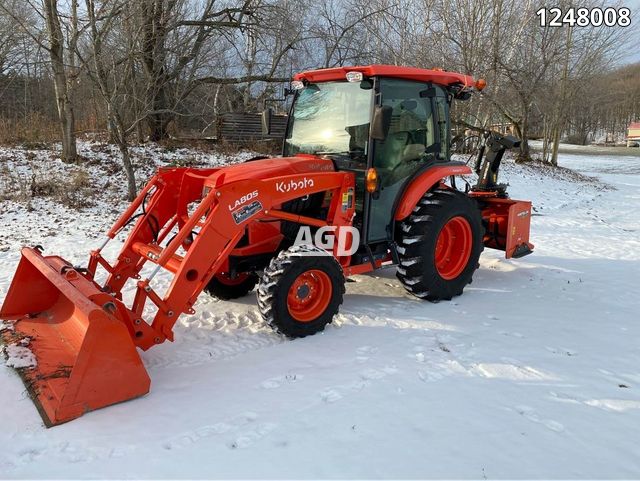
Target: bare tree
587,51
108,66
61,78
54,43
174,35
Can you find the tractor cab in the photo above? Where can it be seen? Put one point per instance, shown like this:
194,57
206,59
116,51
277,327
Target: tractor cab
380,125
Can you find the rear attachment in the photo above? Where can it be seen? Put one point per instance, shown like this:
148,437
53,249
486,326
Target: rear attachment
506,221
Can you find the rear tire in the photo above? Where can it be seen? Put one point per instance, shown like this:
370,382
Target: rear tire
301,291
440,244
225,288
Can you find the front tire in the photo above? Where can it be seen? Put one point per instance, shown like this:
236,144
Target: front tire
301,291
440,244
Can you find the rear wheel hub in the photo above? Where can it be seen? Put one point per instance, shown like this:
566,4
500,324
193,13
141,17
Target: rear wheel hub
453,247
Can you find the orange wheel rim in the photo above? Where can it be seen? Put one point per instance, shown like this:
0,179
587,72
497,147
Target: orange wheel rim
453,248
309,295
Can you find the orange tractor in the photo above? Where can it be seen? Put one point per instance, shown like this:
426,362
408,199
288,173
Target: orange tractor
366,164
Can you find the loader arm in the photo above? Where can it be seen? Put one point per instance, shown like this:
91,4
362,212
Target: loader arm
215,226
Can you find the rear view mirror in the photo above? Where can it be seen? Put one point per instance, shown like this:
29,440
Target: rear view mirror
381,122
266,122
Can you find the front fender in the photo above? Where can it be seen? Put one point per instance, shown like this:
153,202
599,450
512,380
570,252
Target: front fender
422,183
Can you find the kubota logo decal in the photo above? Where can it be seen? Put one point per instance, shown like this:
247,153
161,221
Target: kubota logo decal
244,199
294,185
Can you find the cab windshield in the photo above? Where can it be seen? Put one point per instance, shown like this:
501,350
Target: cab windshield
331,118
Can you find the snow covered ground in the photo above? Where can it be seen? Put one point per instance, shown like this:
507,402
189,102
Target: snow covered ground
591,149
533,373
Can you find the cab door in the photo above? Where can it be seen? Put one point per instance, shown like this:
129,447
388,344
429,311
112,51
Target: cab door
415,140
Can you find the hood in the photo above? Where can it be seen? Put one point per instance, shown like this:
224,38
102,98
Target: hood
276,167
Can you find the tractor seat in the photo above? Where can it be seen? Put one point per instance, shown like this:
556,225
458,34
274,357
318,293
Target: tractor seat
393,149
398,148
412,152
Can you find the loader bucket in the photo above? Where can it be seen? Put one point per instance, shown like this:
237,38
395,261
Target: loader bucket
85,356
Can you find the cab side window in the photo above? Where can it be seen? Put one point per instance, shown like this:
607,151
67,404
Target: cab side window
412,126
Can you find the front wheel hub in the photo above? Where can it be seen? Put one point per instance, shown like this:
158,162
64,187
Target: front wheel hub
309,295
303,292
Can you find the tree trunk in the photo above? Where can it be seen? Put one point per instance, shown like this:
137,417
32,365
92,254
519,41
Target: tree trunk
69,152
545,140
525,150
123,147
153,60
521,130
251,48
560,114
128,169
139,133
159,121
555,144
62,90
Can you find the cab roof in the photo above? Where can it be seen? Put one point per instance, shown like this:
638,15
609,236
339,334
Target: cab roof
439,77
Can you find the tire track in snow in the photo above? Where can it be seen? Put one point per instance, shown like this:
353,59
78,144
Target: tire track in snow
72,452
210,337
240,432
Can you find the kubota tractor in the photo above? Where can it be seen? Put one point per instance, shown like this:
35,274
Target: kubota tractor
366,148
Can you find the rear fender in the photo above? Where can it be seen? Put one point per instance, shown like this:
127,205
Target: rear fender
423,183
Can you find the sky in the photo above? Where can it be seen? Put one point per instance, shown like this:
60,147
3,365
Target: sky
634,48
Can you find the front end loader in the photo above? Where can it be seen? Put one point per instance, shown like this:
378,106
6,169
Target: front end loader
366,167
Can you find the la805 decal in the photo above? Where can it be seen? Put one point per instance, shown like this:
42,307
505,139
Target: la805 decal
243,200
245,210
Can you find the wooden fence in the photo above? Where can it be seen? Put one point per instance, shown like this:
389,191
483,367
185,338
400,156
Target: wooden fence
248,126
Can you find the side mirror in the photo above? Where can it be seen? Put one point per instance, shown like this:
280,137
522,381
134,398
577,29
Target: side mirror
266,122
381,122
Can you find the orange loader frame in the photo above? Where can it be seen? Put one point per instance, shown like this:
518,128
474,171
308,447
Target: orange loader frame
80,327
